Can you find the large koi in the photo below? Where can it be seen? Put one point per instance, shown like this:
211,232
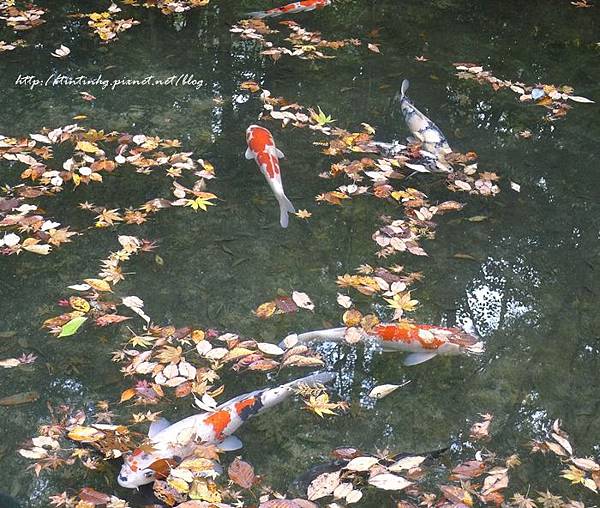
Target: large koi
169,444
423,342
261,148
303,6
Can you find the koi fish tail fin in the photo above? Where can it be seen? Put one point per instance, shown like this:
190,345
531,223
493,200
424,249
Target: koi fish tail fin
476,349
285,207
329,335
404,88
273,396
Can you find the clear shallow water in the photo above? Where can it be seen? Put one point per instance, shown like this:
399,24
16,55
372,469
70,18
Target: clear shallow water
532,291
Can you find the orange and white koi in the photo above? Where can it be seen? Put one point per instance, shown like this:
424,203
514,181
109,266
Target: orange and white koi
261,148
302,6
169,444
423,342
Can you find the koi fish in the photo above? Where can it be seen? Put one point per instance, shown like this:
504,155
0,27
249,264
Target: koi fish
422,128
169,444
303,6
422,342
261,148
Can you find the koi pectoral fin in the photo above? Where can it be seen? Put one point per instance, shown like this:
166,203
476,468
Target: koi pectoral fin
230,444
158,426
249,154
417,358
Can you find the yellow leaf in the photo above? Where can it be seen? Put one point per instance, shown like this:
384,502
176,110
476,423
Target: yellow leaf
179,485
321,406
352,317
128,394
265,310
205,490
98,284
85,434
86,146
79,304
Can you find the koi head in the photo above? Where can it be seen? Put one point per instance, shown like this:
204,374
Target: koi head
140,468
258,138
466,342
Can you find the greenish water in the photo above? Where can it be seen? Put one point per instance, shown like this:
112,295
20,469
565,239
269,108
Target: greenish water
532,291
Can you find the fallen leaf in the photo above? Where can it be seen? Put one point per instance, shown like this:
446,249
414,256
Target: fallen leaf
323,485
241,473
388,481
72,326
303,301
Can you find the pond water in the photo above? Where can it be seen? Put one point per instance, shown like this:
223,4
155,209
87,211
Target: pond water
531,285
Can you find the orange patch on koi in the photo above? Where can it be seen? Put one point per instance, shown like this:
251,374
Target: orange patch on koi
240,406
218,421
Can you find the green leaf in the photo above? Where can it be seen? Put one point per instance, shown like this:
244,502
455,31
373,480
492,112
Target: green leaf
72,326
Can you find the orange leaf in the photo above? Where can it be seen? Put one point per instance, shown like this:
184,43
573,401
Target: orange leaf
128,394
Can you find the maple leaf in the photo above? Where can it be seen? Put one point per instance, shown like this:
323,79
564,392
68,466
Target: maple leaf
549,500
108,217
201,202
320,117
521,501
134,216
58,236
573,474
303,214
169,354
321,406
141,341
402,302
62,500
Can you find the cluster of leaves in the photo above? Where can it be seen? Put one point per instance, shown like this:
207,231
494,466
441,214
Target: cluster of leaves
21,18
72,437
482,480
168,7
94,154
94,300
303,43
390,283
189,361
285,305
10,46
24,359
579,471
105,25
316,400
551,97
374,169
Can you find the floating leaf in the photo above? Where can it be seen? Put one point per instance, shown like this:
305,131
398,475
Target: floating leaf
241,473
85,434
303,301
72,326
382,390
388,481
323,485
98,284
361,463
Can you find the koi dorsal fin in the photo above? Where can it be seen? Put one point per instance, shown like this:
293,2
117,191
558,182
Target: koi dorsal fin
158,426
